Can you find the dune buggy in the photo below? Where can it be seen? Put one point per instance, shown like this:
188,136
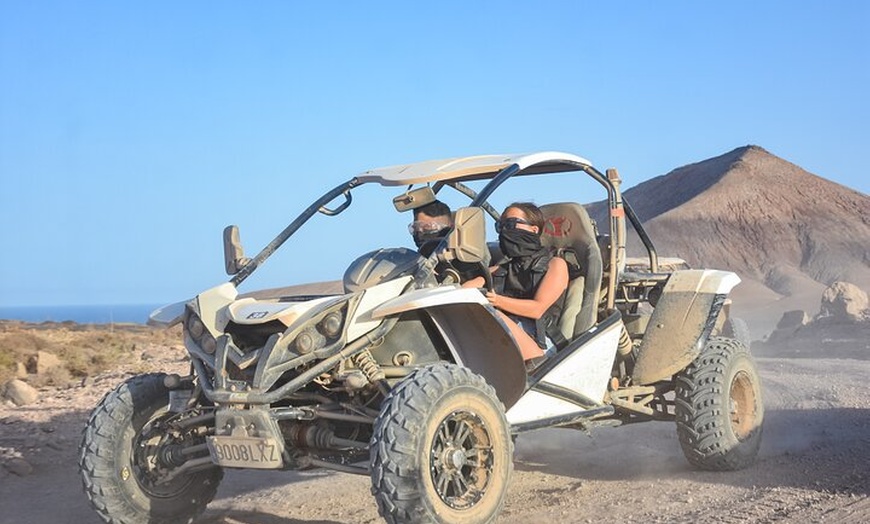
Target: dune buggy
404,376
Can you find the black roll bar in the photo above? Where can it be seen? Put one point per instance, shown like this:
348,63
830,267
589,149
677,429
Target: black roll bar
318,206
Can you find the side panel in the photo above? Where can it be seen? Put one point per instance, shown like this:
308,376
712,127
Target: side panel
681,322
574,380
363,319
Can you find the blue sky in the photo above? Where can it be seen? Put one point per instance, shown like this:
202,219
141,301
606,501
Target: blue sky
131,133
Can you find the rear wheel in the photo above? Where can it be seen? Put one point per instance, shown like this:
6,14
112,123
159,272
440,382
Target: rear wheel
718,407
123,459
441,449
738,328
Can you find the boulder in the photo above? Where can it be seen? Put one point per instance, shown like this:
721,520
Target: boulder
845,302
46,361
20,393
20,370
793,319
788,325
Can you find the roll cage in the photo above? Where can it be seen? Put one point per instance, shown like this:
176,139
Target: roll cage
497,169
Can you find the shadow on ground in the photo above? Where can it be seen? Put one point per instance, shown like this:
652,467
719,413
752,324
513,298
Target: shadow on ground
817,449
256,517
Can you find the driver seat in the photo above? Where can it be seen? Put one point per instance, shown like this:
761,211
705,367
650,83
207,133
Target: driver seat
569,229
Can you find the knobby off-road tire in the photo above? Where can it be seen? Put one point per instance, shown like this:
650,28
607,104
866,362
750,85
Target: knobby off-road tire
718,408
737,328
441,449
117,460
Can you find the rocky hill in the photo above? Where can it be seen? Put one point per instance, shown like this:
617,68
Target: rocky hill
787,232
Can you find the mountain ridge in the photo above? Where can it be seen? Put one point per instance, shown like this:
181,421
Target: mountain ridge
781,228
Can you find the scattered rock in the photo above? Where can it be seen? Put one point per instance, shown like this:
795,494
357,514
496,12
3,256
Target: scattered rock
20,392
846,302
42,362
18,466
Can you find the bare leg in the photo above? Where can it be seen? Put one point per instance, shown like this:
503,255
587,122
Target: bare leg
528,347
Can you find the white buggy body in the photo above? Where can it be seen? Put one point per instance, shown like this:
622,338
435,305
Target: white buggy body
407,377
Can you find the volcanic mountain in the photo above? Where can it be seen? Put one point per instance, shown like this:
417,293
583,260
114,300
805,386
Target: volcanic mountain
787,232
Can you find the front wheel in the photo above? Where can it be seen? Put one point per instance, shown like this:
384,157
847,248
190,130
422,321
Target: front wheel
718,407
441,449
123,458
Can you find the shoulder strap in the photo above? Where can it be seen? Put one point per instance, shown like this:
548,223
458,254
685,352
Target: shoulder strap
570,257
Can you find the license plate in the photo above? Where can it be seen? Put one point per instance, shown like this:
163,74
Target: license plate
245,452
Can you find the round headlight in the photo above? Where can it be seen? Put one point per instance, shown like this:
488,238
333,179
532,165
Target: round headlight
308,341
332,324
209,345
195,327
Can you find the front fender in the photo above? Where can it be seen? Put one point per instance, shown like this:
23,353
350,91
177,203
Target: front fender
473,331
682,321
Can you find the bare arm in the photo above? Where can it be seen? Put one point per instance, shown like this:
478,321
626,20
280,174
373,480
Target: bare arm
555,281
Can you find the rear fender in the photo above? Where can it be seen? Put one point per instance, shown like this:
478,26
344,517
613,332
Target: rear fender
474,333
682,321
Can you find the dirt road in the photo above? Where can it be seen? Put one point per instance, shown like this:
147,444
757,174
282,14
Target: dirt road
814,466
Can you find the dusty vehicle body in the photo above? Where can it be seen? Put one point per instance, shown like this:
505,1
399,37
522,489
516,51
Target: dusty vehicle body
415,381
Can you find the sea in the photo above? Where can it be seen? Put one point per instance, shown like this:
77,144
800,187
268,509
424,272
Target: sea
105,314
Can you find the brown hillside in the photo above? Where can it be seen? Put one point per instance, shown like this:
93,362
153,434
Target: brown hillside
758,215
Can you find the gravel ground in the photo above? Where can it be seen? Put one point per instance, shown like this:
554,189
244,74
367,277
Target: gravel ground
814,464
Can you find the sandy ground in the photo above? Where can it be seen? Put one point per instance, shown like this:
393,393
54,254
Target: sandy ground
814,465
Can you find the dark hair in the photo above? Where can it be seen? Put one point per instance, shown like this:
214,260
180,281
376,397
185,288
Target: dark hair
436,208
533,214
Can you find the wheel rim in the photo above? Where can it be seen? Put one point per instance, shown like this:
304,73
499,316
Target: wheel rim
461,459
743,412
146,465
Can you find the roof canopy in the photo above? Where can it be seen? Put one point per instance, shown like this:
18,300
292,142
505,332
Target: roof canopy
471,168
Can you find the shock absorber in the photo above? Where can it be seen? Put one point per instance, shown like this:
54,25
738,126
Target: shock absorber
624,364
370,368
366,363
625,346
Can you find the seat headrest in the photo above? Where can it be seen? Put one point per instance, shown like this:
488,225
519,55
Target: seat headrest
566,225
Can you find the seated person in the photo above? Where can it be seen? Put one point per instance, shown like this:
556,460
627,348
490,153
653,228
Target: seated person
530,286
431,224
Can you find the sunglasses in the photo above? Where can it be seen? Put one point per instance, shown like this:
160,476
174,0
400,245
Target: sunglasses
509,223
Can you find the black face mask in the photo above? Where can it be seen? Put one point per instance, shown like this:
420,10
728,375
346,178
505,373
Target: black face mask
420,239
516,243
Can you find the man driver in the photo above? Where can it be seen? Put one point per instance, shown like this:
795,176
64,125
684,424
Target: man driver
431,224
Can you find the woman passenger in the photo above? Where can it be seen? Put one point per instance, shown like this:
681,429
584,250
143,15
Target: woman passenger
529,287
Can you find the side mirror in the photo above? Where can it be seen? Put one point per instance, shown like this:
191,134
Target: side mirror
234,255
414,198
467,241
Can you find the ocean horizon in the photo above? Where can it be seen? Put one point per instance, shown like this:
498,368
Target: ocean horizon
91,314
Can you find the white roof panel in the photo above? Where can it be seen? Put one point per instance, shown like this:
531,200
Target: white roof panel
471,166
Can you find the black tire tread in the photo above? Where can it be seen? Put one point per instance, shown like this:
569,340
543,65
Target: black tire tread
97,457
702,412
402,414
